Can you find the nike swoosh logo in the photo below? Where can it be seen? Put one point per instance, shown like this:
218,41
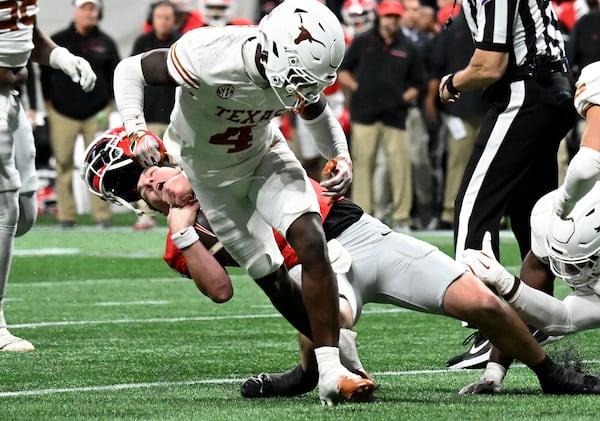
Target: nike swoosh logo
484,265
476,348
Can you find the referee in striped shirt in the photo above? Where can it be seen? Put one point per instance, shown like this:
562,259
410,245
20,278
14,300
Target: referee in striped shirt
520,60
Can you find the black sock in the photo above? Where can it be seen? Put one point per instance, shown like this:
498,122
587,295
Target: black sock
294,382
545,367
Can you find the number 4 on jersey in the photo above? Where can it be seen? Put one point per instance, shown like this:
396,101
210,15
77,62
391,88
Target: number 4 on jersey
239,137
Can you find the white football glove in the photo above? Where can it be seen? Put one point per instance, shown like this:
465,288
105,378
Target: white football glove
484,265
147,148
339,170
481,387
77,68
562,203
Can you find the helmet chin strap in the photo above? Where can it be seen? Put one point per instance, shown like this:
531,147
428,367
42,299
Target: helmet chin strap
120,201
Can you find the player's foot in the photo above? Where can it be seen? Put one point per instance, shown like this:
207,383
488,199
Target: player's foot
11,343
335,387
291,383
566,381
476,356
478,353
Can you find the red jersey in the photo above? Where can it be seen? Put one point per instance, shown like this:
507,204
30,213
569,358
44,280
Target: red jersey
174,258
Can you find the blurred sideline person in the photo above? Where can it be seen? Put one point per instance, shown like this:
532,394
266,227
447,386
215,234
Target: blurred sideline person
422,172
187,17
158,100
20,41
525,77
379,104
568,249
243,173
368,258
460,121
72,112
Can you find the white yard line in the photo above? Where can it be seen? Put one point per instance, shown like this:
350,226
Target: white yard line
174,319
129,386
125,386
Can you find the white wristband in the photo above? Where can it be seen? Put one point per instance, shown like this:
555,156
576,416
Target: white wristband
185,238
494,372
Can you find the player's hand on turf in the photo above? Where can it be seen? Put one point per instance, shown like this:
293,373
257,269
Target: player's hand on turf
339,171
484,265
147,148
480,387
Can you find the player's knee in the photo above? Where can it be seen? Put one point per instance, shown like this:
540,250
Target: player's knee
262,266
489,306
306,236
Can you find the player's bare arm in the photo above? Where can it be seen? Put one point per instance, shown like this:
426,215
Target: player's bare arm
591,134
154,68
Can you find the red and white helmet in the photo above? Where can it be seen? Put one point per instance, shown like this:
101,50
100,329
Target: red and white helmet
109,170
217,12
303,45
358,15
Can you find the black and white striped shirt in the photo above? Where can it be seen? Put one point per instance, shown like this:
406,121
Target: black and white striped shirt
522,28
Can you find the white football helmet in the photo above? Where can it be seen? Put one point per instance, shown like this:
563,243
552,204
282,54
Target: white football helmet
217,12
109,170
573,245
358,15
302,46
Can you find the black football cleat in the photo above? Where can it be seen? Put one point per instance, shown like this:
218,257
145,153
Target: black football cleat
566,381
475,357
293,382
259,386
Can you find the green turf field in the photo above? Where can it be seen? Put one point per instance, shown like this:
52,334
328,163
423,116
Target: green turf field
121,336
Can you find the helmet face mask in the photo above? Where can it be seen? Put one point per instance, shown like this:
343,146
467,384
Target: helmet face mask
217,12
302,46
108,169
358,15
573,245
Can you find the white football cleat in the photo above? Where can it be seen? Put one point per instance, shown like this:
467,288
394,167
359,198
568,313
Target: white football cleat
11,343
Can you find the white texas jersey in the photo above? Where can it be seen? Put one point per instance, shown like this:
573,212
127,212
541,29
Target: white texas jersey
16,31
221,116
588,88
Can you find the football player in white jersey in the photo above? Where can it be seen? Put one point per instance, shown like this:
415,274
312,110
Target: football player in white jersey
584,168
566,248
231,82
20,41
372,263
554,317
